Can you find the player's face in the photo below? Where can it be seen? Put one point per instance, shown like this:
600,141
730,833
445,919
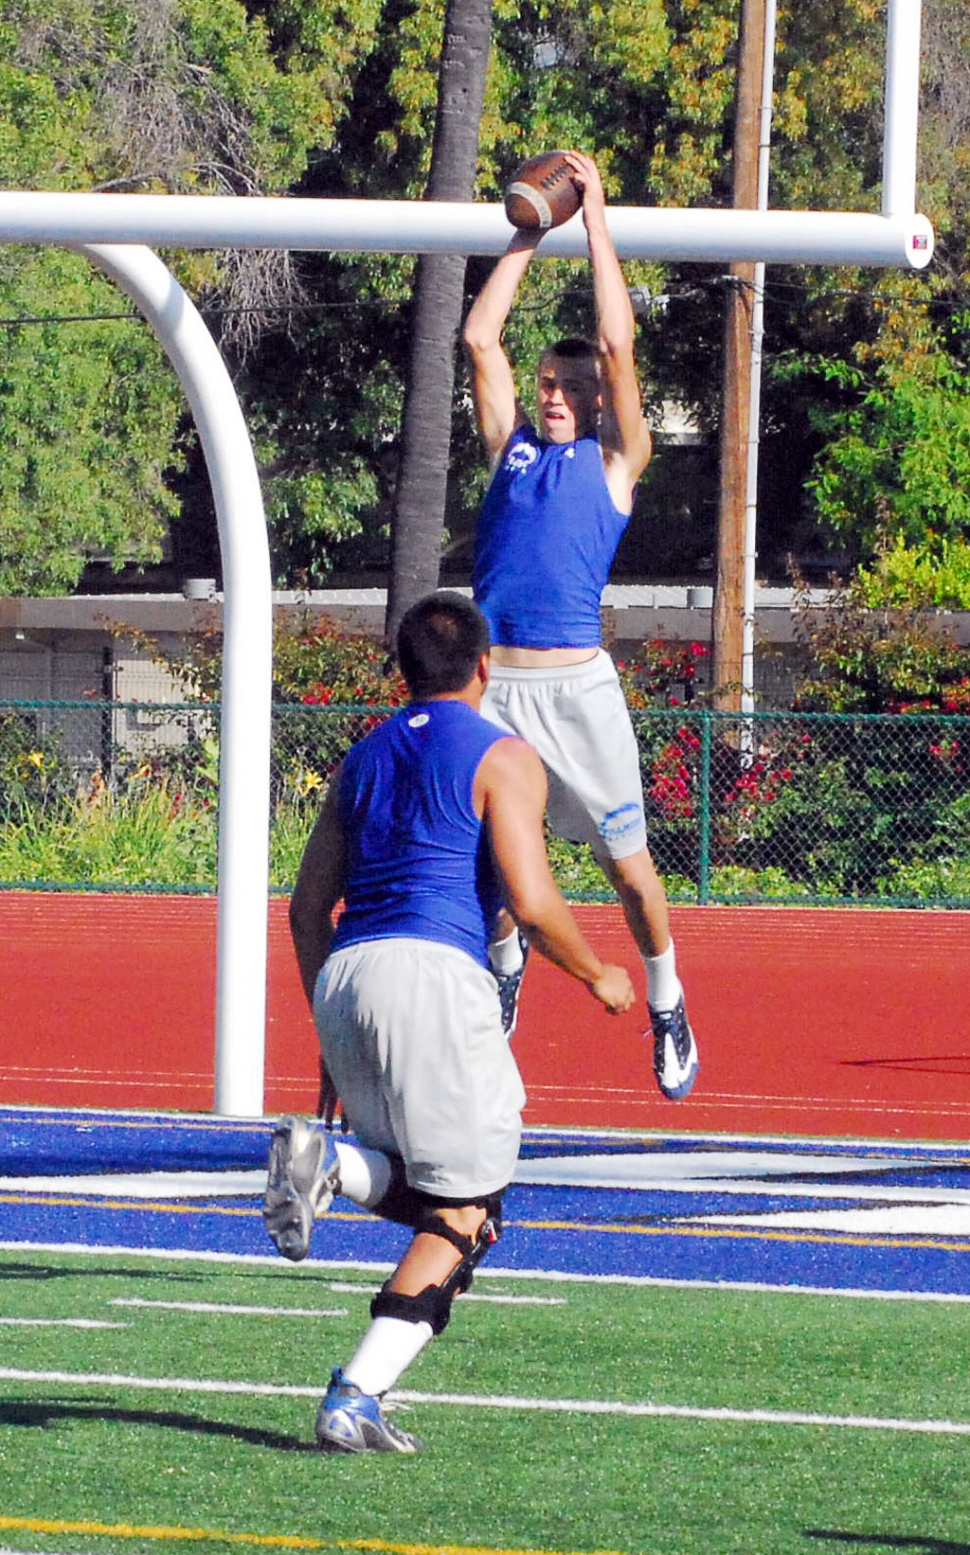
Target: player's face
569,399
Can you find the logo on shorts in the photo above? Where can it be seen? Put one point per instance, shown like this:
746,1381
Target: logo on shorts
520,456
618,823
419,720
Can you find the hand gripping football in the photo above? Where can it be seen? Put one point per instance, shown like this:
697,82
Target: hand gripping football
541,193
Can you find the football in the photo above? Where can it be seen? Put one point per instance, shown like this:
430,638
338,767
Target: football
541,193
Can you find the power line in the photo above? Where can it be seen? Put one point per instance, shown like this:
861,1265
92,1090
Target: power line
648,302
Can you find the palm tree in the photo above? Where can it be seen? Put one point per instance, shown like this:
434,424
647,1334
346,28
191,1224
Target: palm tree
417,519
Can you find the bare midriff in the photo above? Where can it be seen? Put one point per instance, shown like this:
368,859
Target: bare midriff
540,658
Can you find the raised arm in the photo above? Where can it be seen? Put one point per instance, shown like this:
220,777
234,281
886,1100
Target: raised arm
625,436
493,386
511,782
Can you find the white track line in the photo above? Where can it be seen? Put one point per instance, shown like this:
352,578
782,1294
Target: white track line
498,1401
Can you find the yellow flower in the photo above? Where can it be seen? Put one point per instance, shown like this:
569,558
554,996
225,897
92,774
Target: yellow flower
306,781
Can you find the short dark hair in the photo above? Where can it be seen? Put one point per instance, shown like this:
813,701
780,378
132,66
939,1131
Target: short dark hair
574,348
439,643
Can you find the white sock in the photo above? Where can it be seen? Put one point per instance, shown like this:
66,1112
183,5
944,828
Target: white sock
385,1352
505,955
365,1175
663,984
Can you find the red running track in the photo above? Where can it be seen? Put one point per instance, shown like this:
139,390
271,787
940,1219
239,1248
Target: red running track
817,1022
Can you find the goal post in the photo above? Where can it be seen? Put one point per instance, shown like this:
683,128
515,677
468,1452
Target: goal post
118,233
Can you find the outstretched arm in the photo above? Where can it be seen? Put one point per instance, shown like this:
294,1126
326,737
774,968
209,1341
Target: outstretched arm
513,788
626,436
493,386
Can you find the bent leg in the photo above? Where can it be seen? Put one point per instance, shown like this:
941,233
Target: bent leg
407,1312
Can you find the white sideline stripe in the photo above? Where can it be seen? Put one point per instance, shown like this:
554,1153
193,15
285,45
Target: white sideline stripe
58,1322
226,1307
702,1170
559,1277
146,1185
740,1172
498,1401
926,1220
953,1151
114,1117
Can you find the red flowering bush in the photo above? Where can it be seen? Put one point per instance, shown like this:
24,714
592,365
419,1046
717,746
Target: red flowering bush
318,662
324,665
666,675
673,776
759,784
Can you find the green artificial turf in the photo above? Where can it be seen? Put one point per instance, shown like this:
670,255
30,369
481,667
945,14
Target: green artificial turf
163,1468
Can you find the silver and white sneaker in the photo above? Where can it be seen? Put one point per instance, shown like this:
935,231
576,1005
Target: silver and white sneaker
675,1060
302,1178
351,1421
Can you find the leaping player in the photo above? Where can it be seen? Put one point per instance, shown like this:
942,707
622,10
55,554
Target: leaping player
560,497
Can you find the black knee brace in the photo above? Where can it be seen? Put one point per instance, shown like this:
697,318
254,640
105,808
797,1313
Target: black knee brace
433,1304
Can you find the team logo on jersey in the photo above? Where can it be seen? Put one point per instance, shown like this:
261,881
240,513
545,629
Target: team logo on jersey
619,823
520,456
419,720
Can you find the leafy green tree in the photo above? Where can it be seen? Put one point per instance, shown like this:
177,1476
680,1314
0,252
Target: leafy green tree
89,419
873,654
896,466
321,98
351,352
181,95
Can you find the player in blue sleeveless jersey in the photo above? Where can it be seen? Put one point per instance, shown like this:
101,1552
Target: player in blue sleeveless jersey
560,497
431,823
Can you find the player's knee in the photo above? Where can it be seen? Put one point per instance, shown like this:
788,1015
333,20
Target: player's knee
433,1304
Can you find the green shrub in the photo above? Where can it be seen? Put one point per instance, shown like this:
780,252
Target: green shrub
150,836
31,772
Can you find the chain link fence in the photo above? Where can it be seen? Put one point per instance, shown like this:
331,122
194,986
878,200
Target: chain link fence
767,807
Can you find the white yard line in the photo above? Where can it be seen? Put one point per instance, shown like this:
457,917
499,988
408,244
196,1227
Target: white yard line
597,1406
57,1322
273,1263
227,1307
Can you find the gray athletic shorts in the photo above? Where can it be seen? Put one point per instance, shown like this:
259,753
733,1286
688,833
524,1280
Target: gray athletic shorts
411,1033
576,717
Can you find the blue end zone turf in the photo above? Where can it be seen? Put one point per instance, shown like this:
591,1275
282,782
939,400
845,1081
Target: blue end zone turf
785,1213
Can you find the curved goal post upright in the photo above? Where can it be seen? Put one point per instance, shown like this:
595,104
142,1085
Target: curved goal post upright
118,232
245,728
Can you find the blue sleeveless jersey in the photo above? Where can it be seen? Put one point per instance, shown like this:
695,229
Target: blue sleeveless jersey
419,863
544,544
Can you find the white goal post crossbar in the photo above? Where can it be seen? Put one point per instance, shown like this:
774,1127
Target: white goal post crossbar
118,232
452,227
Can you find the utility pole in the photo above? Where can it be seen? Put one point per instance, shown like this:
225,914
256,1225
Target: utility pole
727,620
